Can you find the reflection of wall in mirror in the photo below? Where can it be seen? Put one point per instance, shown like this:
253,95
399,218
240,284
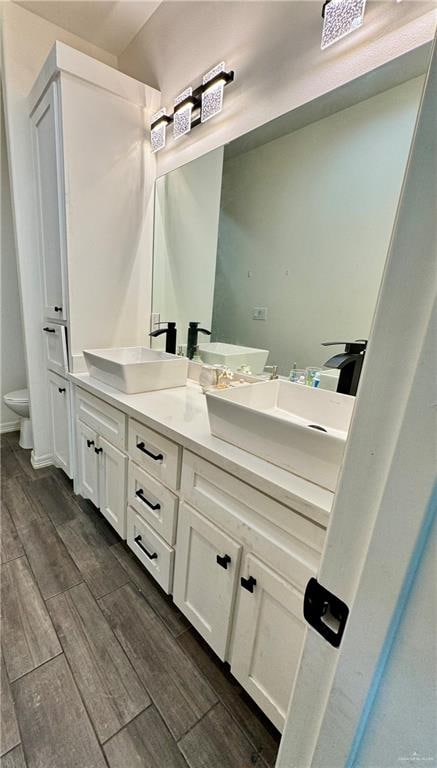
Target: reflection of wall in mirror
305,226
187,203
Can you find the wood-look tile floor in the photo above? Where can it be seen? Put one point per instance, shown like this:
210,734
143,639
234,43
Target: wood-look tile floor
98,667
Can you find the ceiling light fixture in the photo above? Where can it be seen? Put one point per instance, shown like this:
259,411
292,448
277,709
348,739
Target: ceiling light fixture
340,18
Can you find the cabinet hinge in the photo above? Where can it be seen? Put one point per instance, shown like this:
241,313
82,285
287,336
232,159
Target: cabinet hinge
325,612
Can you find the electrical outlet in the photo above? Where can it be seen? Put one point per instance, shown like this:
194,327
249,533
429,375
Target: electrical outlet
259,313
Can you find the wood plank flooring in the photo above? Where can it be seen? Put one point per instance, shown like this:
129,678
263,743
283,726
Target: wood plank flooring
99,669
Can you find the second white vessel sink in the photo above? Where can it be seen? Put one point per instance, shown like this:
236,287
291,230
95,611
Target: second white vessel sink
233,356
299,428
136,369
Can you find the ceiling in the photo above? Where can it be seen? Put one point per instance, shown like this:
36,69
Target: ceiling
109,24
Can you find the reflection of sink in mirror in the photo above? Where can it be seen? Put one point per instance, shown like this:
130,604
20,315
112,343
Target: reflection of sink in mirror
298,428
233,356
136,369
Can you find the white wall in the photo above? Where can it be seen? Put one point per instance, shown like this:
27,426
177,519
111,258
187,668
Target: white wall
12,365
27,40
309,217
187,206
274,48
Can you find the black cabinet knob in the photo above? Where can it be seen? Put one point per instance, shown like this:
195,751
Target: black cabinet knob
223,560
61,390
98,450
57,309
248,584
49,330
90,443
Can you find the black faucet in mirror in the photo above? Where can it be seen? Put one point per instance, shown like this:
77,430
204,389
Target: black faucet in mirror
193,332
349,362
170,340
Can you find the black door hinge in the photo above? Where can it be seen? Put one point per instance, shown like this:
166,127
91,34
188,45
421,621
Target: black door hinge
325,612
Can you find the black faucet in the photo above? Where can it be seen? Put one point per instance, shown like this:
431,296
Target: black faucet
350,363
170,341
193,331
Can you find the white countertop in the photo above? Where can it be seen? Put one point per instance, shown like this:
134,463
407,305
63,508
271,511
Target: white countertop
181,415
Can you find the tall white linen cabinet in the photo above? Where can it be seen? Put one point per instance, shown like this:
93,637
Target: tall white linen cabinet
94,177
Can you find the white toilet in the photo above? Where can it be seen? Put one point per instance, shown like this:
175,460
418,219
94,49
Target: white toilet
18,402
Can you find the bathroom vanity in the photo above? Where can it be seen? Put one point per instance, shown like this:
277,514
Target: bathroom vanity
232,537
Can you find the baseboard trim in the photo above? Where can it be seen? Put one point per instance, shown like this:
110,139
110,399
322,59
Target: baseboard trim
9,426
41,461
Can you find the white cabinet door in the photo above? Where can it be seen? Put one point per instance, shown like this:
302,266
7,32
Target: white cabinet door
269,631
59,397
49,191
55,344
206,570
87,463
112,471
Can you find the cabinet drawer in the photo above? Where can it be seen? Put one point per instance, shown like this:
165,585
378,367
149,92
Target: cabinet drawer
150,549
153,501
107,421
289,542
55,347
155,453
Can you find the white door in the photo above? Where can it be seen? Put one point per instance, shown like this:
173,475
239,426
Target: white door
45,122
59,397
87,463
268,634
206,570
382,510
112,471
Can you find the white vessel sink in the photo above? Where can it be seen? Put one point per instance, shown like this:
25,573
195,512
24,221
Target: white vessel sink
136,369
233,356
280,422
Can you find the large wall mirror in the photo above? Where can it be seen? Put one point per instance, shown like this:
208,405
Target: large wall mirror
277,241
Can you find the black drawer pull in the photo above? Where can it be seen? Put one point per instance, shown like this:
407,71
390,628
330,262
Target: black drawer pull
248,584
61,390
154,456
57,309
98,450
49,330
140,494
90,443
223,560
151,556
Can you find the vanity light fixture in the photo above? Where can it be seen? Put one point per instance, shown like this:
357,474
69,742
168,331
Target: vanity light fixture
158,129
192,107
183,109
340,17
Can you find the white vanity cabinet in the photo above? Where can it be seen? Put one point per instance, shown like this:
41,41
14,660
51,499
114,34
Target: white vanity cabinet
206,575
101,462
60,417
242,563
269,631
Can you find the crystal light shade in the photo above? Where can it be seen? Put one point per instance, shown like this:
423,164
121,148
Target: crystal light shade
212,98
158,131
182,116
340,18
